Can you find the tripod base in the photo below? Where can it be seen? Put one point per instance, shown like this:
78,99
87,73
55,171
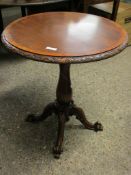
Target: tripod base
63,111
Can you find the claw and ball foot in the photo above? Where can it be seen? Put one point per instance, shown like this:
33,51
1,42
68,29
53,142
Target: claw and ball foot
80,115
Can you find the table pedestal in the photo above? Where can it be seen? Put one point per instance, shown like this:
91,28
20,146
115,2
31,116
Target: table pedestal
64,107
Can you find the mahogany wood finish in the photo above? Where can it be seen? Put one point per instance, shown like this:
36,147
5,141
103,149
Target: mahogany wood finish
64,38
66,35
64,107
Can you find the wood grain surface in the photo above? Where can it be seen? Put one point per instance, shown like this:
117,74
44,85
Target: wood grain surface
64,34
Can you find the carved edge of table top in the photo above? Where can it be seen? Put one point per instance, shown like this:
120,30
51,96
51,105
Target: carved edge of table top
66,60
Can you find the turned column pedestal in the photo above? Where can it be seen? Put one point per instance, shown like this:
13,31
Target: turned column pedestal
64,107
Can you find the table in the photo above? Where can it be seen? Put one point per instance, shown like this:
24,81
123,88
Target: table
64,38
29,4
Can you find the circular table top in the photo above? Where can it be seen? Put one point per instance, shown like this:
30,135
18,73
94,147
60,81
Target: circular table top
27,2
65,37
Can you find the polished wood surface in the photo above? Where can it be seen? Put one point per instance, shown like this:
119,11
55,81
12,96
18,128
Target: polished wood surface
27,2
64,37
64,34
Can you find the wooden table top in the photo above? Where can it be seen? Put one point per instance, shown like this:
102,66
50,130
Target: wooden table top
27,2
65,37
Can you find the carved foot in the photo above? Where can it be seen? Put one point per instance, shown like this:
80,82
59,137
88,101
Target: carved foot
79,113
98,127
32,118
49,109
57,150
